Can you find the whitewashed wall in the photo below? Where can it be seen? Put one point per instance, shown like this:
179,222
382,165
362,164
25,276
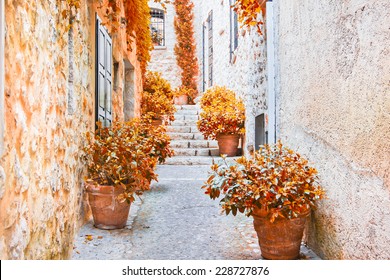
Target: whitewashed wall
163,59
246,72
333,96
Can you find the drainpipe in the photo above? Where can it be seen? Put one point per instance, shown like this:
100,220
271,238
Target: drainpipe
271,72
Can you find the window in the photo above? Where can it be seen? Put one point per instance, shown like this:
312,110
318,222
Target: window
157,27
210,47
233,31
103,75
204,81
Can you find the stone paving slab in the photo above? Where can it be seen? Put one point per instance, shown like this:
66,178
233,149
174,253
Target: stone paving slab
175,220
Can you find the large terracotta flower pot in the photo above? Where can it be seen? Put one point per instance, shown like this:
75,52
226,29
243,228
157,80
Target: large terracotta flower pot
280,240
228,144
108,212
181,100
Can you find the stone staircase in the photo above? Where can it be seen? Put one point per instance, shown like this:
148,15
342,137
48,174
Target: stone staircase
188,143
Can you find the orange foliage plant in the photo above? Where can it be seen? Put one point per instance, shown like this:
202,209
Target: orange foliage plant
222,113
276,179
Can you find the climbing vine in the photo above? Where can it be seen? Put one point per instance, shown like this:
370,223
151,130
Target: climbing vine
248,12
137,27
185,49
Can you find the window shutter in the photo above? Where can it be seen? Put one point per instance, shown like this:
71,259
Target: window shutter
210,47
103,75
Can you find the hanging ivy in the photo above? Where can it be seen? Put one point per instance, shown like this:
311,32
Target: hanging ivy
137,27
185,48
136,22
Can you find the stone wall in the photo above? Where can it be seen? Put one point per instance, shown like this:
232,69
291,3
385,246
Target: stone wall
333,98
243,71
49,105
163,58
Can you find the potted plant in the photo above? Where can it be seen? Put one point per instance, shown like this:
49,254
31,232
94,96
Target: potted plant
182,95
158,106
157,98
277,187
154,82
222,119
154,137
121,162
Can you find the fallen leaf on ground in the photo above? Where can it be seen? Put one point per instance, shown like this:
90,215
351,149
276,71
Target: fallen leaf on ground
89,237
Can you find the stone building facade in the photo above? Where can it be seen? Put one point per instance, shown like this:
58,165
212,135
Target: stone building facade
233,57
163,58
50,101
333,106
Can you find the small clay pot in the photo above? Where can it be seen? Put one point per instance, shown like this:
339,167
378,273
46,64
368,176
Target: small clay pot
228,144
108,212
157,122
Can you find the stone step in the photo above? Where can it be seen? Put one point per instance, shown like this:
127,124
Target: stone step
185,136
187,107
182,144
186,117
196,152
187,112
186,129
197,160
184,123
178,128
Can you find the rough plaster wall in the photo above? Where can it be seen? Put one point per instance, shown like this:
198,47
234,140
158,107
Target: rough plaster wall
125,60
246,73
334,107
163,59
41,201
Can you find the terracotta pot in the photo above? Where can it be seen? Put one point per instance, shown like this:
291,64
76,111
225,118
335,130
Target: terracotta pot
280,240
228,144
108,212
181,100
157,122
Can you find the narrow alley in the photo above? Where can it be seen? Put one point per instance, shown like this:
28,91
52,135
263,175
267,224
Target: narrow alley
111,104
174,221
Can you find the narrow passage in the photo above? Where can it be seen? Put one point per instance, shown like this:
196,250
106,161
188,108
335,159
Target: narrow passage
174,220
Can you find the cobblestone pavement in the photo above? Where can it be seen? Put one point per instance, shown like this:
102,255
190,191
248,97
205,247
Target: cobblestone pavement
175,220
